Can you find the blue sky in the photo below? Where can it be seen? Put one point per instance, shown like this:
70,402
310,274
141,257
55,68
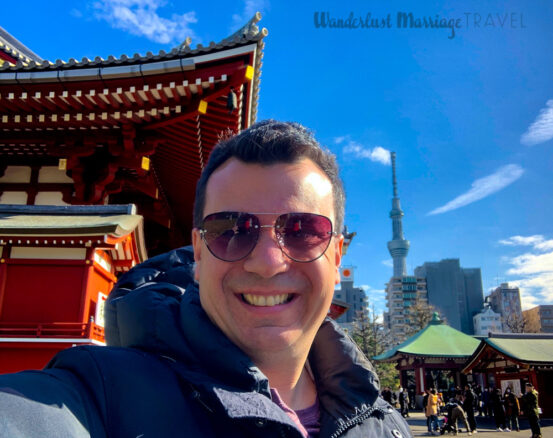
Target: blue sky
470,116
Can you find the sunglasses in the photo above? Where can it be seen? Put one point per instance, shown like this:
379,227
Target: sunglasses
232,235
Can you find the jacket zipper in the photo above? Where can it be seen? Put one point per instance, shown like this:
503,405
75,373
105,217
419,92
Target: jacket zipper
357,420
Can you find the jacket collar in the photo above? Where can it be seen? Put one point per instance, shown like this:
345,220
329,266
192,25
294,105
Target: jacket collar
345,379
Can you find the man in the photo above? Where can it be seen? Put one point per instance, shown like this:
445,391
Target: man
531,409
455,413
403,402
498,409
251,352
468,406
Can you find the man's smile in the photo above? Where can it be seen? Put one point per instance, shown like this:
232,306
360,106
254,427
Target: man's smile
266,300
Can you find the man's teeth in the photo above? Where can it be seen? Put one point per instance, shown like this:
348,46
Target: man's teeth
265,301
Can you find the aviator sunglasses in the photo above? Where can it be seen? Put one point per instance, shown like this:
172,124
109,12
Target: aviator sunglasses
232,235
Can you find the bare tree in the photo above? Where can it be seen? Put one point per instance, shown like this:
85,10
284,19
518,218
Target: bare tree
372,337
419,315
518,323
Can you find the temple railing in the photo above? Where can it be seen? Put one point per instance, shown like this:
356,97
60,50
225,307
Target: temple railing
56,330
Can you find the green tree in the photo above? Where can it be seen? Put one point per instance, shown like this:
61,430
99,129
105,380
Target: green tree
372,337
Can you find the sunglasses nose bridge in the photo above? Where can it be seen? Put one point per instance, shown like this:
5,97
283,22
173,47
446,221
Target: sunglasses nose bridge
275,235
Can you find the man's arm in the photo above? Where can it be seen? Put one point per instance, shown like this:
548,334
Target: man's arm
44,404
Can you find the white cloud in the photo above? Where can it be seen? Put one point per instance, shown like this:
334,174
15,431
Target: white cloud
341,139
484,187
140,17
388,262
377,154
531,271
537,241
531,264
250,8
542,128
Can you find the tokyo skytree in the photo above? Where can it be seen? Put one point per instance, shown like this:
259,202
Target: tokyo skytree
398,246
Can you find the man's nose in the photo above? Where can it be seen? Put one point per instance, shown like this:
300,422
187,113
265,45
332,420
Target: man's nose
266,259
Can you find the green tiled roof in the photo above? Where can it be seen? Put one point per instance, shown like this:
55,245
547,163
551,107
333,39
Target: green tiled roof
524,348
436,339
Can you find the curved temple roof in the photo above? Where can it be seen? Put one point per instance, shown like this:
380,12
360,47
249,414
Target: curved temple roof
134,129
248,33
435,340
523,348
15,50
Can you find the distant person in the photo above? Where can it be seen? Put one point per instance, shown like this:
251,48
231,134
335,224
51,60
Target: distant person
468,406
498,409
512,410
478,399
531,409
424,405
455,413
486,402
412,398
387,395
432,409
404,402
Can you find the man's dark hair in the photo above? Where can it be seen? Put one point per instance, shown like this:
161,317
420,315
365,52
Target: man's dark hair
271,142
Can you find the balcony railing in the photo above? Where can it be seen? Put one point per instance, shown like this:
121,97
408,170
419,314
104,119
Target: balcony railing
56,330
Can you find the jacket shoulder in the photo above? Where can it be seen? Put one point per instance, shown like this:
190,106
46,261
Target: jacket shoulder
90,391
47,403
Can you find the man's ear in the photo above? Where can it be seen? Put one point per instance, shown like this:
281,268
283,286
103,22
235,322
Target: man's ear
197,245
338,256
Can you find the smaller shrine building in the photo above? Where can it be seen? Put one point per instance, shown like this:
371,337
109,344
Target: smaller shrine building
432,358
510,360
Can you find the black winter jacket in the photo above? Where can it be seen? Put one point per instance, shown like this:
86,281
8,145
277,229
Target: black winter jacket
170,372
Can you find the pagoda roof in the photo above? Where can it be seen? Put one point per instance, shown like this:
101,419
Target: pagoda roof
101,226
521,348
30,62
435,340
132,129
15,51
20,220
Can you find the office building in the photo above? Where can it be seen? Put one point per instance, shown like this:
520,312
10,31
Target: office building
401,294
455,292
486,322
539,319
505,300
355,297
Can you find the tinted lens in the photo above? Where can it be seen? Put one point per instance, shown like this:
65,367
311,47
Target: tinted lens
303,237
230,236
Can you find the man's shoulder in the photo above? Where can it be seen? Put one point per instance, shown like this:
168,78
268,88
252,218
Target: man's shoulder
89,360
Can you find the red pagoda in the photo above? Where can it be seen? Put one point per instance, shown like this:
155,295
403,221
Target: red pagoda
81,144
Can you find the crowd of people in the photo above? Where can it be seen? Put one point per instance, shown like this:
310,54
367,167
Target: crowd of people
459,407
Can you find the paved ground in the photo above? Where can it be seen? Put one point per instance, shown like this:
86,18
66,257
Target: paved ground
485,427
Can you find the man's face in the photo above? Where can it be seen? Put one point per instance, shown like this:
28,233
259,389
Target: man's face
227,289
